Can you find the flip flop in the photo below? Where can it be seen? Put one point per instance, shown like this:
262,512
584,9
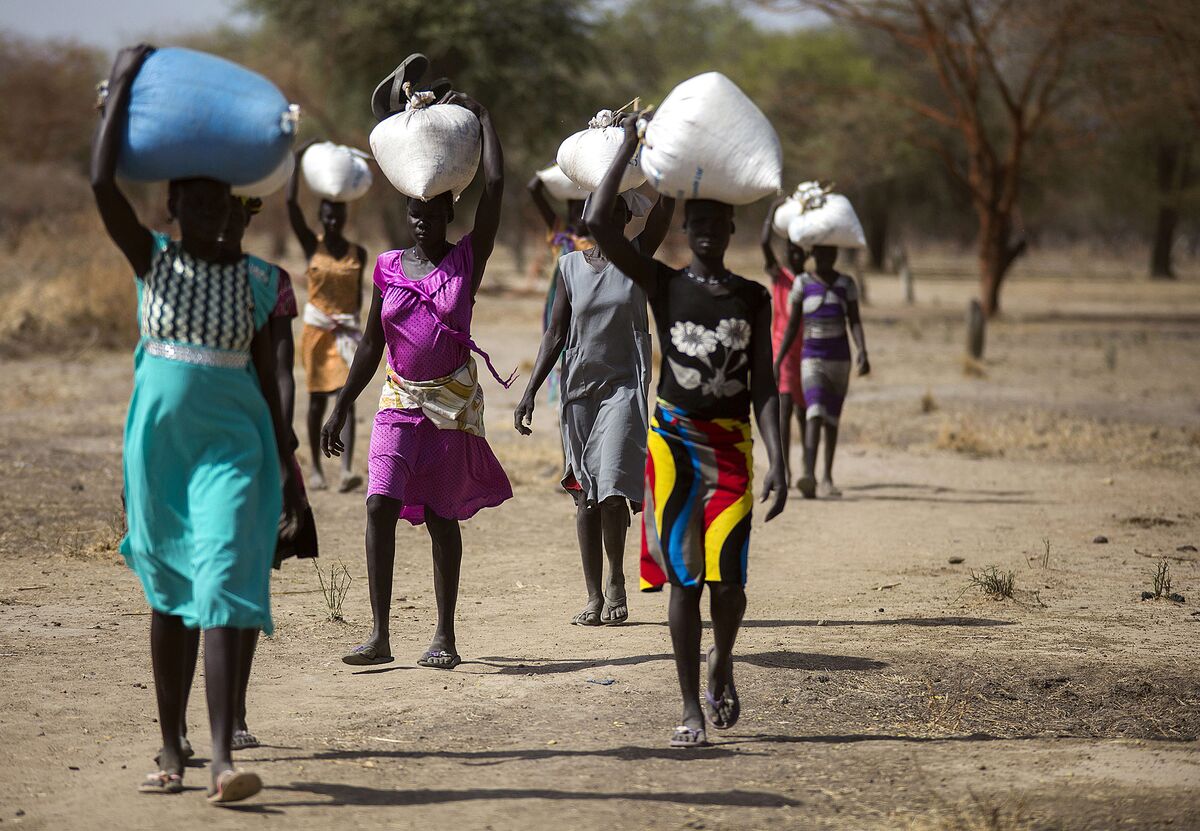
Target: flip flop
426,659
388,97
234,786
685,737
728,700
162,783
366,655
606,616
243,740
588,617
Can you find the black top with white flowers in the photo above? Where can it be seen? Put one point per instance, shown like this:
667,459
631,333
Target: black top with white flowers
706,334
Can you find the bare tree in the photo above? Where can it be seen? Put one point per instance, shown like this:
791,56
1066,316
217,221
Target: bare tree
1000,67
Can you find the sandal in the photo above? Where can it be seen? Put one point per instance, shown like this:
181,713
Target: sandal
366,655
234,786
162,783
588,617
685,736
439,659
608,618
722,712
243,740
388,97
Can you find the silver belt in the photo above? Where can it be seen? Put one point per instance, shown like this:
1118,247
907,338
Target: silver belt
199,355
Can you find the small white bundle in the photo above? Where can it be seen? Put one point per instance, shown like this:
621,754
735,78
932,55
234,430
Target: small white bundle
336,172
794,204
559,185
587,155
270,183
828,219
707,140
428,149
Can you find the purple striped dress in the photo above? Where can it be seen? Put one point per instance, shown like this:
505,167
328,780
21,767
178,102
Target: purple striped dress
825,357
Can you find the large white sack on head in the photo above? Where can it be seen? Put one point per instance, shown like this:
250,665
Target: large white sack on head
269,184
587,155
559,185
707,140
336,172
428,150
833,222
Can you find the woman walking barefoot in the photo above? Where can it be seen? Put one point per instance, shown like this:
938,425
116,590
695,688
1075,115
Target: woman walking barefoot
788,377
714,331
203,455
429,461
599,319
331,327
824,304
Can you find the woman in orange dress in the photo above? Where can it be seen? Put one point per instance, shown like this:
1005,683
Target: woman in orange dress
331,322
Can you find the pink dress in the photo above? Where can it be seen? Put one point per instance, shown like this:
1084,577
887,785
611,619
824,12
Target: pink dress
425,325
789,370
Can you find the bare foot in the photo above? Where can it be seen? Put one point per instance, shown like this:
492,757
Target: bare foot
316,481
616,605
590,614
807,485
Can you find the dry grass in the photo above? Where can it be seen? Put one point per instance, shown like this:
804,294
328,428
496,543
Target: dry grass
962,435
65,286
975,814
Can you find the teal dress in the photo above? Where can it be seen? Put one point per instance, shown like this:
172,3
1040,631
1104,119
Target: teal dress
202,483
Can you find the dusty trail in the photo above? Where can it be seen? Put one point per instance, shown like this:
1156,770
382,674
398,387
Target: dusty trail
880,691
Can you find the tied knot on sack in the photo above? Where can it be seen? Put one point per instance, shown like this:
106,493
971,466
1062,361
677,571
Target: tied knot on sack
602,119
289,121
418,100
811,195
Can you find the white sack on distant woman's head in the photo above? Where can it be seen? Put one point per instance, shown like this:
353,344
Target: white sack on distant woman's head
336,172
587,155
707,140
428,150
794,204
269,184
559,185
831,221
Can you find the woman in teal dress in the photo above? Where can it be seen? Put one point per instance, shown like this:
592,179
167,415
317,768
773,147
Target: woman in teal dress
206,477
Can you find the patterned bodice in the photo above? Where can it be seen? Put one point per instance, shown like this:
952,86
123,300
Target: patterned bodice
185,300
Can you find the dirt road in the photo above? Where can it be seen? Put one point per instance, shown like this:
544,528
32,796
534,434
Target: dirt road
881,690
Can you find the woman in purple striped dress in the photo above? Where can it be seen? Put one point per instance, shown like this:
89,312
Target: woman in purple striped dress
826,303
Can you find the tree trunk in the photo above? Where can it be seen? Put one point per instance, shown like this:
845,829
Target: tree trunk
997,252
1171,162
876,204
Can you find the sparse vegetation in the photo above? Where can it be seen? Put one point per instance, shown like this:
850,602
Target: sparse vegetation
996,584
928,403
334,590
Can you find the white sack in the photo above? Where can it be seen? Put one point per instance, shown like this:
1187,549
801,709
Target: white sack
336,172
268,184
587,155
559,185
833,222
428,150
707,140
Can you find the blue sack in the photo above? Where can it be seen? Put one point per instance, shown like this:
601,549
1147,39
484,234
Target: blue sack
196,115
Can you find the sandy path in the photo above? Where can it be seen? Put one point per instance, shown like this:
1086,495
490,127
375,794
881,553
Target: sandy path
879,691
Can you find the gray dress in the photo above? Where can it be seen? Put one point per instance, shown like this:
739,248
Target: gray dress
604,382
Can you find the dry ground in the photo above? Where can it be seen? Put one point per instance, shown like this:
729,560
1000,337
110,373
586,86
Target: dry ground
881,690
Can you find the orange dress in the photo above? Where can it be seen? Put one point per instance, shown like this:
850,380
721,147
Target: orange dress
334,287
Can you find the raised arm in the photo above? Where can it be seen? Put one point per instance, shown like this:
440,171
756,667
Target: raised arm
553,341
608,233
765,395
770,263
537,192
362,370
308,240
120,220
487,212
795,319
657,226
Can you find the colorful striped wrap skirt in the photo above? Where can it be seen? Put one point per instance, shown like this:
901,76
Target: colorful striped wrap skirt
699,479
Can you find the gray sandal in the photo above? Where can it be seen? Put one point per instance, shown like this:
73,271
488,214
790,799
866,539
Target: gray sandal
685,737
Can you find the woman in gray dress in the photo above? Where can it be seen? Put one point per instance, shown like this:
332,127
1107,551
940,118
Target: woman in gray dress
600,327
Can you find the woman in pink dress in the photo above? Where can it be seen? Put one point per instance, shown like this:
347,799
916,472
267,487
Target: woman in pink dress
782,277
429,461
